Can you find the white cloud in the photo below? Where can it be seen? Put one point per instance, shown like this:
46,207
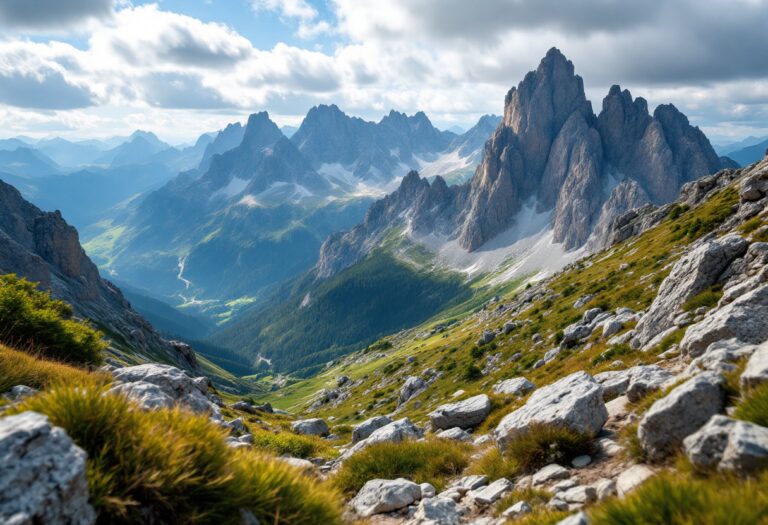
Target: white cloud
57,15
288,8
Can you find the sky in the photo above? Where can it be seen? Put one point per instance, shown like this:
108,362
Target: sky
99,68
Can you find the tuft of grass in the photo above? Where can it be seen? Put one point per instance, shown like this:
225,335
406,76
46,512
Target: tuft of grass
750,225
708,298
432,461
22,368
170,466
494,465
32,319
754,406
295,445
671,499
633,448
545,444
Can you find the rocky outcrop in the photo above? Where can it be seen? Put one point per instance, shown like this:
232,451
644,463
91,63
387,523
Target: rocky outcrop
310,427
517,386
369,426
691,275
42,247
575,402
43,474
756,371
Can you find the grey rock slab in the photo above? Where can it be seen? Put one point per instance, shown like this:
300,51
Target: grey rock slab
465,414
549,473
580,518
310,427
581,494
756,371
517,386
385,495
491,493
43,474
574,402
518,509
728,444
412,386
368,427
679,414
436,511
455,433
632,478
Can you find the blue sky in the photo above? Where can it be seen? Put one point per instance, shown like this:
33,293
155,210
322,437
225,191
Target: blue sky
91,68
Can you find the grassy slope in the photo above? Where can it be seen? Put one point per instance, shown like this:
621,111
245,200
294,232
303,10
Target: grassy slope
648,259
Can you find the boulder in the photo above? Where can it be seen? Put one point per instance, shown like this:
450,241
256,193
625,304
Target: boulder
580,518
486,338
244,406
719,357
681,413
436,511
468,483
728,444
696,271
310,427
509,327
19,392
413,385
745,319
636,382
756,371
465,414
427,490
385,495
455,433
43,474
394,432
581,494
368,427
517,386
155,386
632,478
575,402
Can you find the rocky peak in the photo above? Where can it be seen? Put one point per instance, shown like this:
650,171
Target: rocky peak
260,131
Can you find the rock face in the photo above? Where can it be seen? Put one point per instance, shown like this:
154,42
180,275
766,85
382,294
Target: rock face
436,511
745,319
692,274
43,476
681,413
412,386
385,495
575,402
155,386
635,382
42,247
464,414
728,444
394,432
550,149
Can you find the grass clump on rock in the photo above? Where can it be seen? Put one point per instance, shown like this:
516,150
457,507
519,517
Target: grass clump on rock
754,406
31,319
170,466
433,461
545,444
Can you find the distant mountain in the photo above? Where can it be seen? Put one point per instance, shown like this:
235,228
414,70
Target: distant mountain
727,149
288,131
71,154
28,163
254,215
42,247
136,150
750,154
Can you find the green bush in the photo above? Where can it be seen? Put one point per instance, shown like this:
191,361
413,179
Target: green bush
472,372
708,298
30,319
754,406
494,465
431,461
671,499
169,466
545,444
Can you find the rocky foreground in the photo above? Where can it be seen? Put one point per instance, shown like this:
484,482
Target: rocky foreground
673,373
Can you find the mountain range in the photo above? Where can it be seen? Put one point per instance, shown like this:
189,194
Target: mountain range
260,204
553,178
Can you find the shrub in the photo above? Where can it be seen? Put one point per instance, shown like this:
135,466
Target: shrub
169,466
545,444
31,319
472,372
432,461
754,406
671,499
296,445
21,368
